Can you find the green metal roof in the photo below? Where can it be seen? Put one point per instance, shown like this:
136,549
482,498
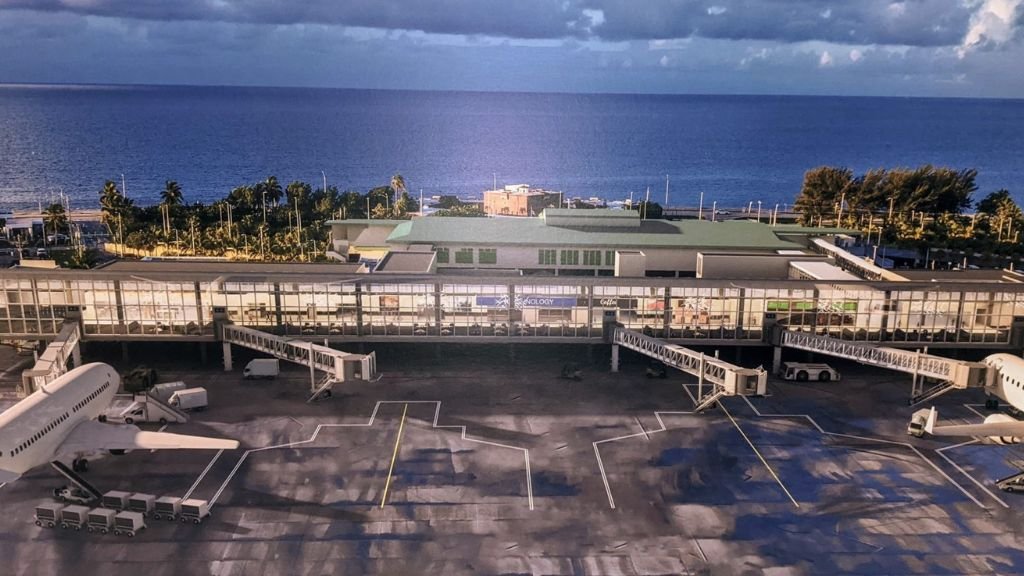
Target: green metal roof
591,213
533,231
367,222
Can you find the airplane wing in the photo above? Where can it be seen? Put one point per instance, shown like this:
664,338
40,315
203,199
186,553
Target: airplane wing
8,476
92,436
1013,428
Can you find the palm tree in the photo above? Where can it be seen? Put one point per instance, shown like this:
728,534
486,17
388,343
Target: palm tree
273,189
55,218
397,185
171,195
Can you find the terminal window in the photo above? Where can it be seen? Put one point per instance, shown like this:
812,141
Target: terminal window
609,257
488,256
546,257
591,257
464,256
442,256
570,257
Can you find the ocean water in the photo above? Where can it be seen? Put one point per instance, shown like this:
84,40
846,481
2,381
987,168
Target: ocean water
734,149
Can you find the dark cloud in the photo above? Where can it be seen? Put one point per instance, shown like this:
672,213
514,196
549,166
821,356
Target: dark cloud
887,22
911,23
516,19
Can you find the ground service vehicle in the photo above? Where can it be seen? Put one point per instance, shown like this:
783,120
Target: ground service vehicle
166,508
262,368
128,523
141,503
164,391
72,494
803,372
189,399
116,500
74,516
194,511
144,408
101,520
48,515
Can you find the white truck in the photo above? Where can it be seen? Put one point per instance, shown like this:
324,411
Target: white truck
189,399
262,368
803,371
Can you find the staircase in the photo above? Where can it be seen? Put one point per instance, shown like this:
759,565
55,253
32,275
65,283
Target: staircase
710,399
933,392
75,479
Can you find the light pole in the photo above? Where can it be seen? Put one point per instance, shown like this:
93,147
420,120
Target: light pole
714,210
124,187
758,210
264,205
325,181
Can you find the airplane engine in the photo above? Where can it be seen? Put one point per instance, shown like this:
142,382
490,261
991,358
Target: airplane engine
1001,440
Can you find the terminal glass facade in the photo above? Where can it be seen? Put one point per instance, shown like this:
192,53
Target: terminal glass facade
34,304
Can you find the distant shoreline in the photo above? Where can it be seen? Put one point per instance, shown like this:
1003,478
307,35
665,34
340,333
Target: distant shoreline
108,86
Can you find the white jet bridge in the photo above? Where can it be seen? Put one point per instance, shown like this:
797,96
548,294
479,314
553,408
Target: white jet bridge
338,366
950,373
53,362
726,379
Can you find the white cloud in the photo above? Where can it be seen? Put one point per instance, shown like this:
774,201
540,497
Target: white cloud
666,61
826,60
992,25
826,13
897,9
717,10
856,55
752,56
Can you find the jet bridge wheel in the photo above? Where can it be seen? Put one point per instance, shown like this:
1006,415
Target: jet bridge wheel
992,403
80,465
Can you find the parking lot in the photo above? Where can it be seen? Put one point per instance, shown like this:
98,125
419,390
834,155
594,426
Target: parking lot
493,464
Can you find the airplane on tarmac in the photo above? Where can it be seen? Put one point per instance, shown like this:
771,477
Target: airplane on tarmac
1008,386
57,423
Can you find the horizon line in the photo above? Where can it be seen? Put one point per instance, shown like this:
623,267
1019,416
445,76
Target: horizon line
15,84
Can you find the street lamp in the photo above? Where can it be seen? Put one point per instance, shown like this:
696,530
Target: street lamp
264,205
758,210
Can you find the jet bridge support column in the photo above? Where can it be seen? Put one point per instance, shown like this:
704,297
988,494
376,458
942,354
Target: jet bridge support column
76,355
615,357
227,356
776,359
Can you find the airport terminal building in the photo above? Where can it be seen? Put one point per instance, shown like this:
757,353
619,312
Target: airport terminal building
551,279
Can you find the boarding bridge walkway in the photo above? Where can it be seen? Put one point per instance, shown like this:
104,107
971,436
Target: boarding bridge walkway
338,366
950,373
726,379
53,362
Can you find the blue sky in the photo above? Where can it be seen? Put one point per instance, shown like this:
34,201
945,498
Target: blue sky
972,48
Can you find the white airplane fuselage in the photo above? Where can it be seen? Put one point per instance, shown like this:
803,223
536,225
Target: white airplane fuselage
32,430
1009,384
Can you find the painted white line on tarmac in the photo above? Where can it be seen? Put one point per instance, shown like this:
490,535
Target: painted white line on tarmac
373,417
941,451
394,456
759,456
870,439
202,475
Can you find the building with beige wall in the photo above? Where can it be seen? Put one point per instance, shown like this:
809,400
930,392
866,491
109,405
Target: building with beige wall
518,200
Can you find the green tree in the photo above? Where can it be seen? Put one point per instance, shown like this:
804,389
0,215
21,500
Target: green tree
462,210
273,189
823,188
171,194
55,219
113,205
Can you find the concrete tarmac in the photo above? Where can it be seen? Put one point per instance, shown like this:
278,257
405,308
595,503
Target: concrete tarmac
495,466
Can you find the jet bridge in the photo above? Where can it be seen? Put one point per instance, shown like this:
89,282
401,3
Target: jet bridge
726,379
951,374
339,366
54,360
